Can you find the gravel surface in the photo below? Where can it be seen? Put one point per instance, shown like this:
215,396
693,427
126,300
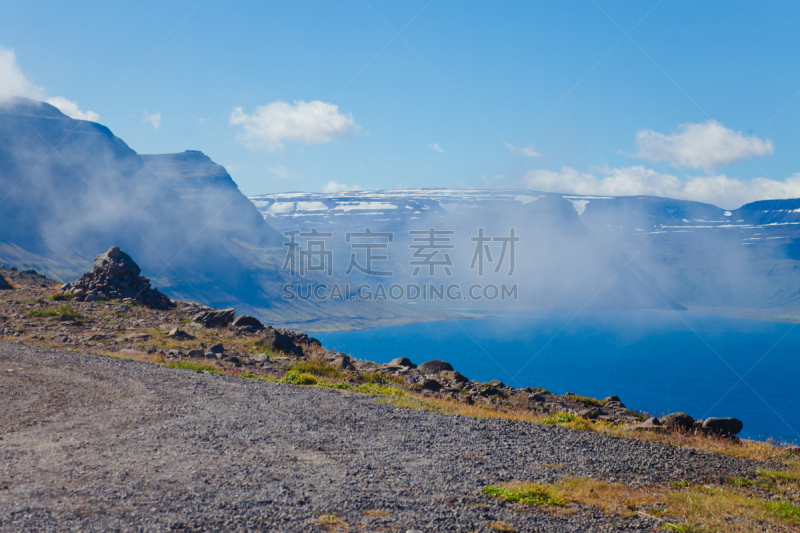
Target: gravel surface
100,444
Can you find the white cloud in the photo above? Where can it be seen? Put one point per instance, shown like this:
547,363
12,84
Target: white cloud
281,172
527,151
309,122
332,186
718,190
153,118
12,81
436,148
71,109
707,145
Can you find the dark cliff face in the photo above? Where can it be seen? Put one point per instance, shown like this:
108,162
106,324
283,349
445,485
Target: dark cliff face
211,194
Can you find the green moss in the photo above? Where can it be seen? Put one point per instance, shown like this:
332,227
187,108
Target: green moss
785,510
529,494
741,482
189,365
559,418
63,311
317,367
296,378
60,297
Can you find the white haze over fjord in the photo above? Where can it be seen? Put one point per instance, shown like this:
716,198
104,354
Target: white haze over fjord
14,82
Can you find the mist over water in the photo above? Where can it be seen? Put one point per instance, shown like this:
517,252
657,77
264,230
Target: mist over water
653,360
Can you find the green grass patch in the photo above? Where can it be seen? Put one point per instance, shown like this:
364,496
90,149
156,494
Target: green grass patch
529,494
681,528
42,313
189,365
741,482
317,367
250,375
777,474
62,311
682,484
559,419
787,511
587,400
297,378
61,297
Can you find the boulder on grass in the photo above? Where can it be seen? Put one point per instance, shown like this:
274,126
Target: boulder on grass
278,341
179,334
402,361
213,318
245,320
677,422
435,366
723,426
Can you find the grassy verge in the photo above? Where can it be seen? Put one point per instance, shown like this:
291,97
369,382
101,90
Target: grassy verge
62,311
681,506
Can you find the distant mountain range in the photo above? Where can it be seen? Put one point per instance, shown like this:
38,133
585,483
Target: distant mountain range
611,252
70,189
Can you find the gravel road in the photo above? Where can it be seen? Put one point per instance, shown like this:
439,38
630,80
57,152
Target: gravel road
95,443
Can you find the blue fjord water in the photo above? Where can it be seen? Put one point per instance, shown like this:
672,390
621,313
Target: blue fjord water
655,361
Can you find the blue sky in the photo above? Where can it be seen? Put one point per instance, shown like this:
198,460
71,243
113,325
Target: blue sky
543,95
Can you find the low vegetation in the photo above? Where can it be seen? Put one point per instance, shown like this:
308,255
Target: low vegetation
526,493
681,506
62,311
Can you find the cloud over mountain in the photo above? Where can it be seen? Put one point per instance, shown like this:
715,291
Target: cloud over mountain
707,145
305,122
13,82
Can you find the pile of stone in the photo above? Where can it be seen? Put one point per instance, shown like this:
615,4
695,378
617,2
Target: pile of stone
115,276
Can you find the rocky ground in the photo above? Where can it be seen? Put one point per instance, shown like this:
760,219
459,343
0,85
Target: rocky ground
105,444
92,442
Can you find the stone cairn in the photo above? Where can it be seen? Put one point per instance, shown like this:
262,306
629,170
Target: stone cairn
115,276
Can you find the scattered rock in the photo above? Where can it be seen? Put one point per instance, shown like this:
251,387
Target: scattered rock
195,353
677,421
211,318
115,276
217,348
402,361
435,366
723,426
138,337
230,359
590,414
431,385
651,424
179,334
260,357
491,391
537,398
452,375
245,320
344,364
4,284
279,341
